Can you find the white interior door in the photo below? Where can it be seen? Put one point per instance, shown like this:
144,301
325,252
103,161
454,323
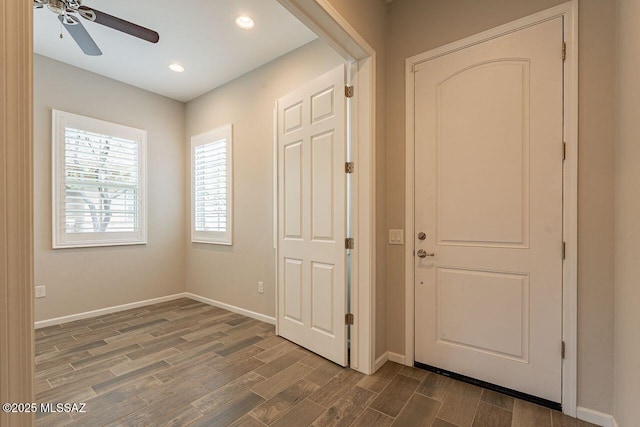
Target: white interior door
488,198
312,281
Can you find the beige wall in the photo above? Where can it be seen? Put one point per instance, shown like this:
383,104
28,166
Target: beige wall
627,336
369,18
230,273
79,280
416,26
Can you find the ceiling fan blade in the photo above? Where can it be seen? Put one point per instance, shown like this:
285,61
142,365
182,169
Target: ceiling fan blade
81,36
119,24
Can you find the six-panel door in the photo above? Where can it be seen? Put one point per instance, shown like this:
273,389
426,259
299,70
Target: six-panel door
312,287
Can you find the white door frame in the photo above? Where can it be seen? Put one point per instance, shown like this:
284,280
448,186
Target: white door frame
569,11
333,29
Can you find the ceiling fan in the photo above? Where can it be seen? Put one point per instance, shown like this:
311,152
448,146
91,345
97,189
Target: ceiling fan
67,10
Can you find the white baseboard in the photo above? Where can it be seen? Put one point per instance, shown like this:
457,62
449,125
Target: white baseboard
395,357
123,307
595,417
390,356
107,310
239,310
380,361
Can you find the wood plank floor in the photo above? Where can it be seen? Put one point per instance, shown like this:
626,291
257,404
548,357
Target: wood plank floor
185,363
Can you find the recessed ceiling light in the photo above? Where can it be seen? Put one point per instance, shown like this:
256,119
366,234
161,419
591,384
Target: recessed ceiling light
176,67
245,22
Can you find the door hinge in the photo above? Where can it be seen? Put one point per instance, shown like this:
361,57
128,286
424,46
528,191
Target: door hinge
349,167
563,349
564,250
564,151
348,91
348,319
349,243
564,51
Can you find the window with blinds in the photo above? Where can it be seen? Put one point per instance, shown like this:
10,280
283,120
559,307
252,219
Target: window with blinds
211,195
98,182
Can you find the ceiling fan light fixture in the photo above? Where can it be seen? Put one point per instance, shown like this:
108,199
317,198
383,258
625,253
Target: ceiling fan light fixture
176,67
245,22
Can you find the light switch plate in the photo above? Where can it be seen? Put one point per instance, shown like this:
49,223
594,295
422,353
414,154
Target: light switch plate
396,237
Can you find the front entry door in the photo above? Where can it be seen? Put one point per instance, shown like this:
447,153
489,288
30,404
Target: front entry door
312,226
488,198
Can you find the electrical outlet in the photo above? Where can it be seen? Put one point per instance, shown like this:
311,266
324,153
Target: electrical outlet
40,291
261,287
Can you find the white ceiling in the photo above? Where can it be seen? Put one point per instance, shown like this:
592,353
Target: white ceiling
201,35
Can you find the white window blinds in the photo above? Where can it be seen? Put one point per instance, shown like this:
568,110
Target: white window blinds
98,182
211,186
101,183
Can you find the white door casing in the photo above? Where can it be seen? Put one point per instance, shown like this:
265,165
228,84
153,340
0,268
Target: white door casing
323,19
312,286
488,195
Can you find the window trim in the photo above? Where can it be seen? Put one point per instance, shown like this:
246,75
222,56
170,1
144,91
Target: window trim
60,239
214,237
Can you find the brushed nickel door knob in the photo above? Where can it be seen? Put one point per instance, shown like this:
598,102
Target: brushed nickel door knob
423,254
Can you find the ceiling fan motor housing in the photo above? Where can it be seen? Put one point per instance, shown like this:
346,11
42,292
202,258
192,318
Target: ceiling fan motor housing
60,7
57,6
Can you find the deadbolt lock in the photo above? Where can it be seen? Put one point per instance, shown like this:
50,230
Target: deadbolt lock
421,236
